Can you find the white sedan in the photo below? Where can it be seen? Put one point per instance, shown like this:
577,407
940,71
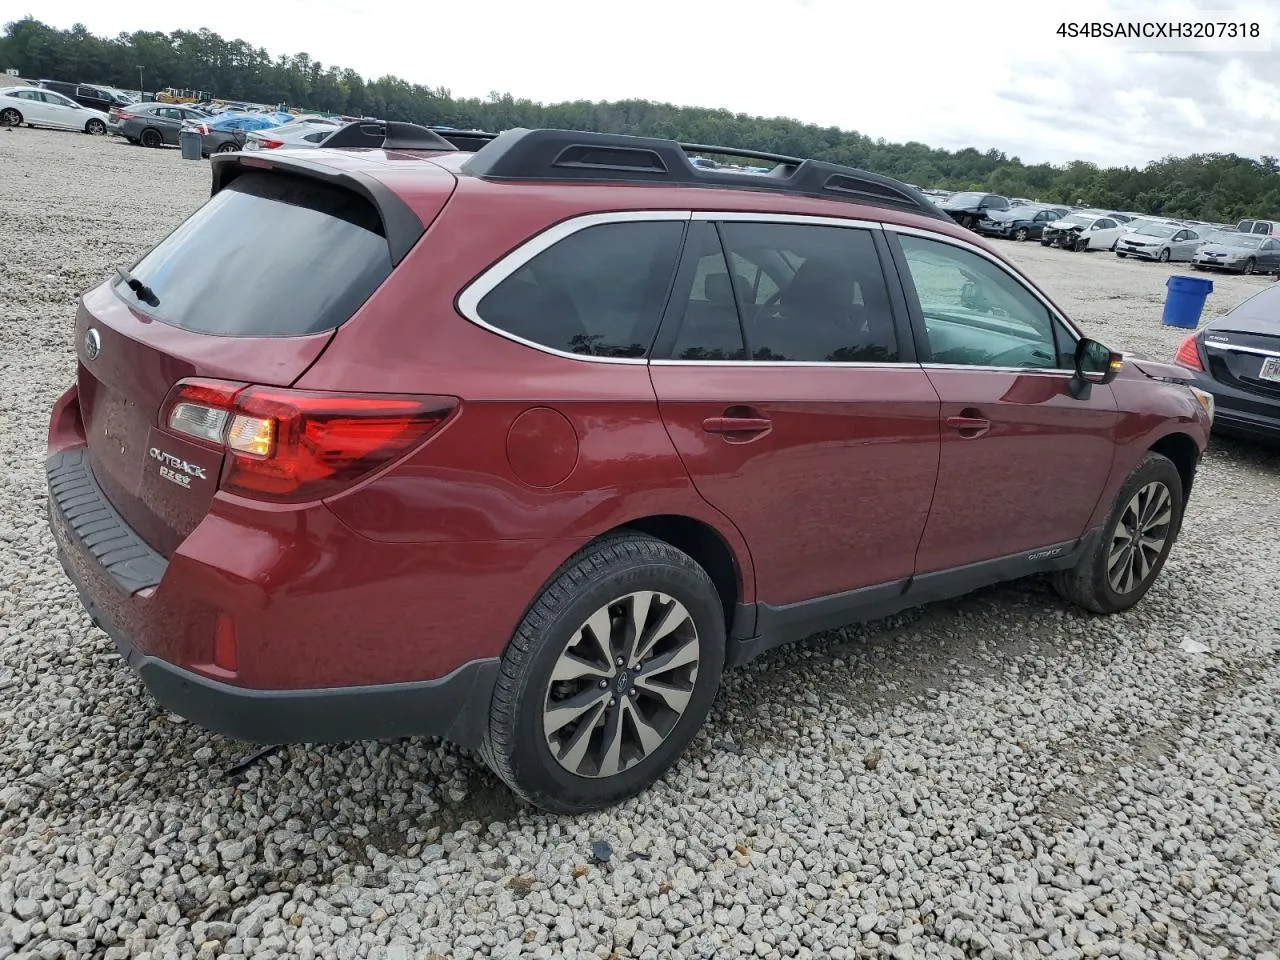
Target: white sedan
1083,231
44,108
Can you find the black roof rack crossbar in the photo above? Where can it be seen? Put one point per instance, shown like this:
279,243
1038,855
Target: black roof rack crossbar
741,154
387,135
573,155
466,140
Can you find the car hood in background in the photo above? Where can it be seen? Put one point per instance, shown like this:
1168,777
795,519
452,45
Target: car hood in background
1235,252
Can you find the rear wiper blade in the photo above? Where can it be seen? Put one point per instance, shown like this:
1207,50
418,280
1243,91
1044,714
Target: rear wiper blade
140,289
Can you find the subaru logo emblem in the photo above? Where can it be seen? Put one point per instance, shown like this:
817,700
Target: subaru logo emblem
92,344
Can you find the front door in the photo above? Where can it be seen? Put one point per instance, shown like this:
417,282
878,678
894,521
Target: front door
1022,463
795,405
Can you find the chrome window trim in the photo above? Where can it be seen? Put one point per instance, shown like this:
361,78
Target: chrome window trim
757,364
1260,351
469,299
801,219
986,254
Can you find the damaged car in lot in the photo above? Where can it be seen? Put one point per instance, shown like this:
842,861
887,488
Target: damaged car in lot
1239,253
1082,232
968,208
1023,222
1160,241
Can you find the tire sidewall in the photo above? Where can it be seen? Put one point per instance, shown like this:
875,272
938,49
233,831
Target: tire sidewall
8,114
537,773
151,139
1153,468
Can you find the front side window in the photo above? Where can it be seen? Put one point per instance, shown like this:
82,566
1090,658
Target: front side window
597,292
978,314
818,293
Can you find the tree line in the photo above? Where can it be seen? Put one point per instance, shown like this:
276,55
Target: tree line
1219,187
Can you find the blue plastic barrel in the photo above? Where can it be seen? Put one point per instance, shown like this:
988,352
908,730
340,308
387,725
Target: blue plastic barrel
1184,302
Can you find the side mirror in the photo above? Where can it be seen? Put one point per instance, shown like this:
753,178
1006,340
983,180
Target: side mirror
1094,363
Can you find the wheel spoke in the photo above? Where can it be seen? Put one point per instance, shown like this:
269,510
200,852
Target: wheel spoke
572,667
676,698
674,617
600,629
647,735
681,656
575,749
640,604
611,758
561,713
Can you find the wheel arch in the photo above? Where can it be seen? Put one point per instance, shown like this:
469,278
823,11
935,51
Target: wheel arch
708,547
1185,454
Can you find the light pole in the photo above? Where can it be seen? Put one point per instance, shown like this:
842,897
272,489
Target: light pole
141,95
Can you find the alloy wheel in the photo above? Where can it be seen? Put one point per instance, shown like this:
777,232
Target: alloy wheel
10,117
621,684
1140,537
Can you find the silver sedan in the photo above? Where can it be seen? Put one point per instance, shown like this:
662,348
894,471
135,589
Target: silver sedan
1160,241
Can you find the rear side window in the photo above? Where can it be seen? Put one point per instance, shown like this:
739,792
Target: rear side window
812,294
598,292
270,255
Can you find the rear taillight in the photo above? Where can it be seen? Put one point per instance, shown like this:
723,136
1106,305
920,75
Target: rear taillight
1188,354
267,144
293,445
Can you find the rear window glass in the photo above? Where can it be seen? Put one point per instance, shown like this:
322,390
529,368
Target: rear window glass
270,255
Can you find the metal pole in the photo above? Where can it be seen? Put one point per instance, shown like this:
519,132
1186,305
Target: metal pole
141,94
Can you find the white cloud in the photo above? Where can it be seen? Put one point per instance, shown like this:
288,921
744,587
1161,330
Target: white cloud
990,74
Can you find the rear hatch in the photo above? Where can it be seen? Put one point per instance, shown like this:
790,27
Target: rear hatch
248,290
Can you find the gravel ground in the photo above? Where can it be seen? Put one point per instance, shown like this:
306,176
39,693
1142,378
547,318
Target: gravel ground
999,777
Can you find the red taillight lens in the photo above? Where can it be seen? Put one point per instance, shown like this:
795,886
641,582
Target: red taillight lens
293,445
1188,354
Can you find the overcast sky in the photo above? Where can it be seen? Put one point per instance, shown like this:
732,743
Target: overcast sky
983,73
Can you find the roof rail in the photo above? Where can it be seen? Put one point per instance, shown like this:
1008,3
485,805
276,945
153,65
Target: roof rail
387,135
559,155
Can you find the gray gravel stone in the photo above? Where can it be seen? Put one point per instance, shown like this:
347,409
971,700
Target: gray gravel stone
1000,776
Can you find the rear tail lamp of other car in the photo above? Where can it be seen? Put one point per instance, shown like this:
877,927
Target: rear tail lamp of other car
296,445
1188,354
266,143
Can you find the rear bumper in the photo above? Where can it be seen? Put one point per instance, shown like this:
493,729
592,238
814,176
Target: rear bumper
144,603
1240,414
454,707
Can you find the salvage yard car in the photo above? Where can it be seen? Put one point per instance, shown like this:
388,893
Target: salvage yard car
1159,241
968,208
1023,222
1082,232
532,479
47,108
1239,253
1236,357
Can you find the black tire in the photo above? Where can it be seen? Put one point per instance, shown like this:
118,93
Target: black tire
1082,246
1165,255
1121,255
1045,241
151,138
229,147
515,745
10,117
95,128
1088,583
1249,266
1021,234
1114,243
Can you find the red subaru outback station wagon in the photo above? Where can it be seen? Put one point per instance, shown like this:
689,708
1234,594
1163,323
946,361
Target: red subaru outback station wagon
523,446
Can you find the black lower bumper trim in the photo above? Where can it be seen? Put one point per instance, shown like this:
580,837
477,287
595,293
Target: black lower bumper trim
455,707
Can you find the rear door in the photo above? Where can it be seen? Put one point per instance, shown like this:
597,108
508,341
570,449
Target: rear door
1022,463
249,289
795,402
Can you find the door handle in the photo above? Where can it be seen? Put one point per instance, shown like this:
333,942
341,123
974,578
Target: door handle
969,425
736,424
